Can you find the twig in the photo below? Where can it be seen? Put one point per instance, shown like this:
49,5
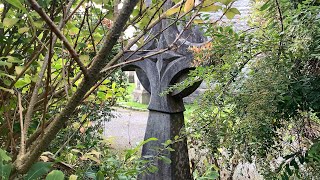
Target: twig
282,28
23,140
74,11
59,34
121,64
26,67
135,60
139,36
34,96
90,33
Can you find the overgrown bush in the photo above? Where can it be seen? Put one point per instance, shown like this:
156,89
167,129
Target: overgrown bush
263,102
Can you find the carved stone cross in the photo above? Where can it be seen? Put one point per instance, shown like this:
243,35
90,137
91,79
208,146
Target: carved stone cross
166,119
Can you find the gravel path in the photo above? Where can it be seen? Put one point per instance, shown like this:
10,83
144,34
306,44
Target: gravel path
126,129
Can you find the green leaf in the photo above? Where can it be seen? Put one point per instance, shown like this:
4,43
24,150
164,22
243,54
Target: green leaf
23,30
101,95
5,170
113,86
285,177
73,31
288,170
7,75
20,83
146,141
9,22
231,13
235,10
38,24
37,170
264,6
152,168
17,4
225,2
213,175
55,175
4,63
99,176
13,59
165,159
4,156
294,164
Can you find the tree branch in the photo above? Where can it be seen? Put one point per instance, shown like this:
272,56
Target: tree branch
55,29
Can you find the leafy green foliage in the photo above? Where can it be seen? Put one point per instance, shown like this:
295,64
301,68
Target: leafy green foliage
262,101
55,175
38,170
5,165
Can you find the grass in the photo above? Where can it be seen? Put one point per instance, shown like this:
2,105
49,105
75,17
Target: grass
128,100
134,105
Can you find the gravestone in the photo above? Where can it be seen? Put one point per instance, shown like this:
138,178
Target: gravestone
156,74
139,93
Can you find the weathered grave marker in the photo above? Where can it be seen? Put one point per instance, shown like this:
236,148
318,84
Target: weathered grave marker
166,118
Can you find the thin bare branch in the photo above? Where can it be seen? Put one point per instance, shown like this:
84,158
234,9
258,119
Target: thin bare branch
59,34
23,139
74,11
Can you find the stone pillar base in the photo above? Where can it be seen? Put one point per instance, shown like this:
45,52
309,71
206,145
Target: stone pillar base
165,126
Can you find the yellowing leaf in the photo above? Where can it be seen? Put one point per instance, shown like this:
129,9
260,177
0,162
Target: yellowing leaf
13,59
198,21
9,22
84,58
6,89
23,30
188,5
44,158
19,69
211,8
76,125
172,11
73,177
